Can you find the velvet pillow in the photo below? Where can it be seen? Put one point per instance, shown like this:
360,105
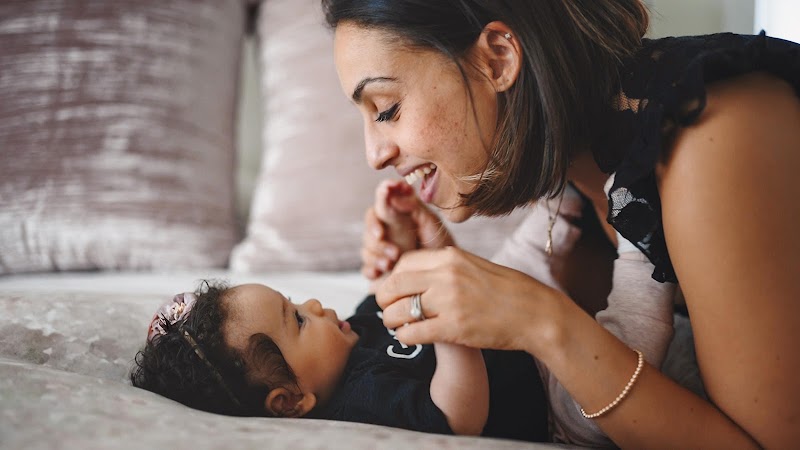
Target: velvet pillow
117,133
314,184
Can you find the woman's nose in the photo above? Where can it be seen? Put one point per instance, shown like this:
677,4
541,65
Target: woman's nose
314,307
380,150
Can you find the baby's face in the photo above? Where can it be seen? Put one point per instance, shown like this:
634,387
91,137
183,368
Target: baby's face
315,343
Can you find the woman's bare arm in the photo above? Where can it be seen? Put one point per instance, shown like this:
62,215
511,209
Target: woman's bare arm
461,293
728,192
730,195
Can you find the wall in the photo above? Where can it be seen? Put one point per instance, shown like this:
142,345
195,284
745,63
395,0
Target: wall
780,18
689,17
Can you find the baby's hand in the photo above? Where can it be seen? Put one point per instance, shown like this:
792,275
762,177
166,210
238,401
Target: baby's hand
395,201
396,223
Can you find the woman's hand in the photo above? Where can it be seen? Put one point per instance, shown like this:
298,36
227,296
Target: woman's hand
467,300
396,223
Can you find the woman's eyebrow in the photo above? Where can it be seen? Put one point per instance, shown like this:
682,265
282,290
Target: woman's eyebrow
363,83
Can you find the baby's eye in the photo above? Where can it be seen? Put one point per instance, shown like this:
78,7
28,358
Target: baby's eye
300,319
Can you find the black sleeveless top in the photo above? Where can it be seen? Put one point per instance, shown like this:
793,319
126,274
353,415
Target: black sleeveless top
663,87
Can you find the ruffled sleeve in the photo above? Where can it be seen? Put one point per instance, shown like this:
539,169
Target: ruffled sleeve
662,89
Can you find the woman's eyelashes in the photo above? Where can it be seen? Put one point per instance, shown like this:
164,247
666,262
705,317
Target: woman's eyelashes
389,114
299,318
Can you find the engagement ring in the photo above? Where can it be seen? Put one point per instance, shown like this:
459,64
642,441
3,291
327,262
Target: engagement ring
416,307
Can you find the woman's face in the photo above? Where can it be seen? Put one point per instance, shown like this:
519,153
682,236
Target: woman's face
418,113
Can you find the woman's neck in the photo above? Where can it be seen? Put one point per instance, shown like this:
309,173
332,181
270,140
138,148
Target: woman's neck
584,174
588,178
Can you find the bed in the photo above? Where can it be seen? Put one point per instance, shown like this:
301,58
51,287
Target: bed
66,346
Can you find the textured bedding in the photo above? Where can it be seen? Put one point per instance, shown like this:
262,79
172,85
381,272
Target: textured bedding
67,342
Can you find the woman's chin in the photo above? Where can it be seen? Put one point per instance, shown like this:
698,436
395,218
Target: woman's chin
458,214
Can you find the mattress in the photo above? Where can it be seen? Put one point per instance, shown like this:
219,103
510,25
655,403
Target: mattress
67,343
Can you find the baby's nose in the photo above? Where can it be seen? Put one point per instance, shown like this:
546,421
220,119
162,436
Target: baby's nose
315,306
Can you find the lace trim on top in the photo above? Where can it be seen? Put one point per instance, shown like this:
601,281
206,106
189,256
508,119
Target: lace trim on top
663,88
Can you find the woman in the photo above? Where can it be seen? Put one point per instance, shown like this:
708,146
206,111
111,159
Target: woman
496,104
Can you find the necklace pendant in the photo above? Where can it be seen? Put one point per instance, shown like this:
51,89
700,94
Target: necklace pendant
548,247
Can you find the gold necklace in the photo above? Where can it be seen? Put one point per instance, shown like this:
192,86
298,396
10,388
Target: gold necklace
548,248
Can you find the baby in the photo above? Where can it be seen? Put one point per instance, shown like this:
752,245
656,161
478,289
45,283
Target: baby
248,350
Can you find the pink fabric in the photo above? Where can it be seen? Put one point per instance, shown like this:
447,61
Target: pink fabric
170,313
117,133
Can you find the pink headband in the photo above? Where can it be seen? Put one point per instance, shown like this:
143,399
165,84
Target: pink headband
170,313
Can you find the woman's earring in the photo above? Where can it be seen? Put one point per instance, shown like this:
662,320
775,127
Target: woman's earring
507,35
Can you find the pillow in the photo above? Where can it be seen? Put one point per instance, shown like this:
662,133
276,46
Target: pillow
116,133
315,185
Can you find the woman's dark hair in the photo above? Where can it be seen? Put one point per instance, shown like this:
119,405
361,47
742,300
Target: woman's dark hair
572,52
169,365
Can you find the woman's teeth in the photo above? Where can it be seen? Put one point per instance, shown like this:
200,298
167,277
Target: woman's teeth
419,173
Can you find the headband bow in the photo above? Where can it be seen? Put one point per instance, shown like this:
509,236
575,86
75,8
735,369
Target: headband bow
170,313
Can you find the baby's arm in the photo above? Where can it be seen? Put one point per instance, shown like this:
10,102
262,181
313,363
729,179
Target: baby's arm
460,386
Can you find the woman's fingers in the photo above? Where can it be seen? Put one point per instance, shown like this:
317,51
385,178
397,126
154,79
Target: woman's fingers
428,259
381,254
422,332
370,273
399,313
465,299
404,284
424,272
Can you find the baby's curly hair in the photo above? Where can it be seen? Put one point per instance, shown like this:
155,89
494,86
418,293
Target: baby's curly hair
169,365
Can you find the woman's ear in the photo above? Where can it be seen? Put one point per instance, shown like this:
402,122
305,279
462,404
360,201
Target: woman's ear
499,52
286,402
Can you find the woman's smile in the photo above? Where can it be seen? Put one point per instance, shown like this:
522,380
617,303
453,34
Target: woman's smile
427,173
427,188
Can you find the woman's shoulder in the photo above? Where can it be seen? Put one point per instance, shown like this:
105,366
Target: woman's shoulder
668,70
726,82
664,95
747,120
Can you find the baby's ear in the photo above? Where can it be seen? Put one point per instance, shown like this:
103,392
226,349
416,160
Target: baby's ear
286,402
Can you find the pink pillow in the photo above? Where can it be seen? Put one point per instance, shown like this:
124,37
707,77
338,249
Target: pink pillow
117,133
314,185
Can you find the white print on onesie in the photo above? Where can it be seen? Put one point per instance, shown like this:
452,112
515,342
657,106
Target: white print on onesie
396,352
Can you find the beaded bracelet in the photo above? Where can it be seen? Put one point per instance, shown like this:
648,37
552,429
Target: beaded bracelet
624,392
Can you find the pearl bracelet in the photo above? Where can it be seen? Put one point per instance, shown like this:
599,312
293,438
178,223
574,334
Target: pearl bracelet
622,394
